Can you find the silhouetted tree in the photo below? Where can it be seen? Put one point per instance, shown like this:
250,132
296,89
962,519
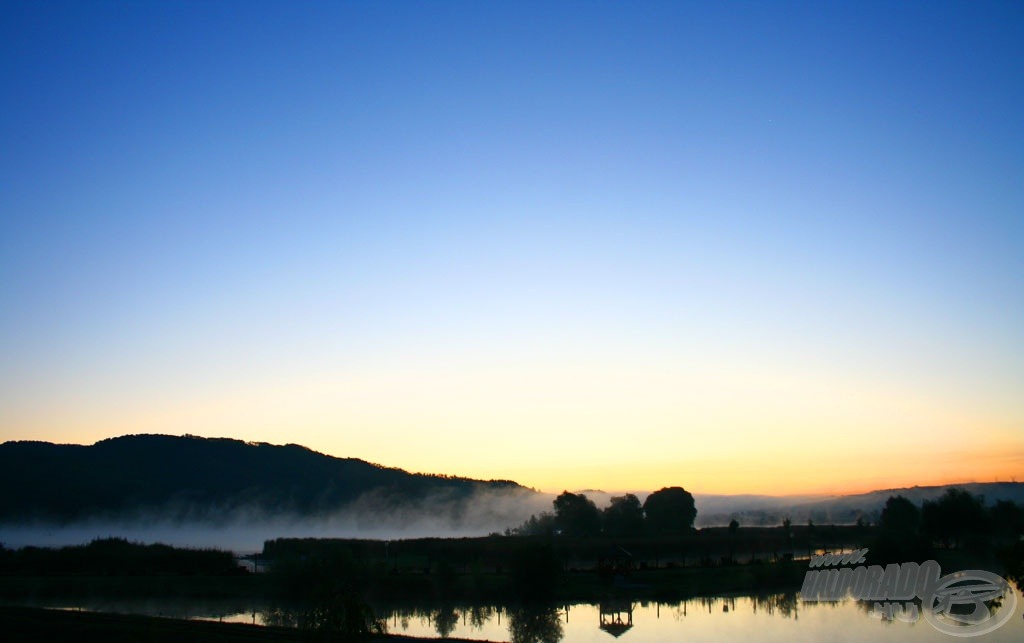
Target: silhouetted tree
900,517
624,516
899,537
670,510
542,524
1007,518
733,527
956,514
575,515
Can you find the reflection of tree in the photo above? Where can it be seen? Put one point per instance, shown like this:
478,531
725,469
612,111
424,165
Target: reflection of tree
445,620
279,616
1013,560
479,615
329,585
399,617
442,619
679,612
785,604
345,614
535,624
889,611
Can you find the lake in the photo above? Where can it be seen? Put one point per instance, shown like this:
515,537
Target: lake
771,617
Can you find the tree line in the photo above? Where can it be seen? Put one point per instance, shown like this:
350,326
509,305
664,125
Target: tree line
958,519
670,510
117,557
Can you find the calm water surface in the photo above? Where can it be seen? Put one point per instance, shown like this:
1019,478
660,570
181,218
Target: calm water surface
777,617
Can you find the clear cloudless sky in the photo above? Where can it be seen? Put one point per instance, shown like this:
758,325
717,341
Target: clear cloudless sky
765,247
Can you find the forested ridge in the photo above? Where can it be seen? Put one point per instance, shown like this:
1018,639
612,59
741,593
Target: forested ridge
193,477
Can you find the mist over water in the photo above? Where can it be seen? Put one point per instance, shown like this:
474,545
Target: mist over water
375,515
379,515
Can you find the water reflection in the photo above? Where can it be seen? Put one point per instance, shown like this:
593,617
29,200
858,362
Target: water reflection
344,614
970,611
615,616
480,614
778,617
535,624
784,604
445,620
281,616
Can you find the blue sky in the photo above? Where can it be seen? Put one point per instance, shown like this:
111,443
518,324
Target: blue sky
392,230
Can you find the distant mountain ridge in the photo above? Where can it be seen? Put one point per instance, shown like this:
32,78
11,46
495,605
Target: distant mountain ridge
191,477
715,510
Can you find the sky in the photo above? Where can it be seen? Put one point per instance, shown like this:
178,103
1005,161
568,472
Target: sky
736,247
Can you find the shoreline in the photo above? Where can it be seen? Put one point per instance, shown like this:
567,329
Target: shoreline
31,624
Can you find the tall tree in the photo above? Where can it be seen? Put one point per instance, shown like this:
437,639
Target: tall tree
899,537
670,510
900,517
576,515
1007,518
956,514
624,516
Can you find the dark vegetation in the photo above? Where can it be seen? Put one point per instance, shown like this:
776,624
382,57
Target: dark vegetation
957,523
575,553
668,511
118,557
192,477
114,567
581,550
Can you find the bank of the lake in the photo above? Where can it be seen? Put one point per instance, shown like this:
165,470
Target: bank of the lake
663,583
32,624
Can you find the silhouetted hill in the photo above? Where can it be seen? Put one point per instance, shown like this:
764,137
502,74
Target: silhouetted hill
717,510
200,478
845,509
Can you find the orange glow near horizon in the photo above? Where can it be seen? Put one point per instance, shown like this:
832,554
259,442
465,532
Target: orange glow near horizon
827,476
821,470
638,420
